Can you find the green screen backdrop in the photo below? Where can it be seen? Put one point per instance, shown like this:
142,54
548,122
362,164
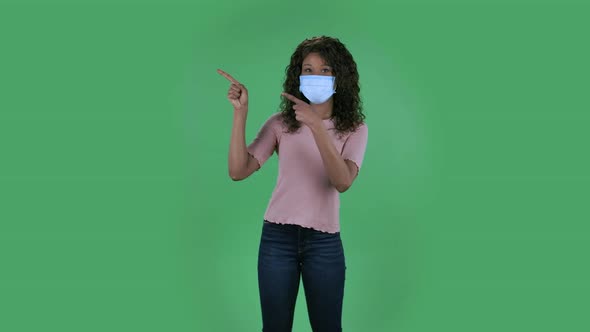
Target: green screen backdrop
117,212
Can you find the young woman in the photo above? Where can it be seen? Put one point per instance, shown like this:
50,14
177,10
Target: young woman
320,138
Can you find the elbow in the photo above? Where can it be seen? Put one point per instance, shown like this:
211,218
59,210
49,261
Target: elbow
342,187
235,176
345,183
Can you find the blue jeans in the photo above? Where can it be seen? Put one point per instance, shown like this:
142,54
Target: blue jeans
288,253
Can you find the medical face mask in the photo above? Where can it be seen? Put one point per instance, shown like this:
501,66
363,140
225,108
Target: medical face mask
317,88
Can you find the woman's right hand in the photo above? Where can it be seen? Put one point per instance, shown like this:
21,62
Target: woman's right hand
237,93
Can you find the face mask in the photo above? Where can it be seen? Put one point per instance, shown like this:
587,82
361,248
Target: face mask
317,88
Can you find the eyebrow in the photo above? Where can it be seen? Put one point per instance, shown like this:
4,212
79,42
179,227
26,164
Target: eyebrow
307,64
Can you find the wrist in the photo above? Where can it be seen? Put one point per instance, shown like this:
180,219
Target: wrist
240,111
317,127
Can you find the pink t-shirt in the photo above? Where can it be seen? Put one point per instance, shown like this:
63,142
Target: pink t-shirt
303,194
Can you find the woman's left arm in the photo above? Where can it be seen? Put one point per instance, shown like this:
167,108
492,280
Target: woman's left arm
340,168
341,172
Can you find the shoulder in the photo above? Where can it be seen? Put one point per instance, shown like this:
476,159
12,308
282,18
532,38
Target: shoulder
273,123
361,130
275,120
276,117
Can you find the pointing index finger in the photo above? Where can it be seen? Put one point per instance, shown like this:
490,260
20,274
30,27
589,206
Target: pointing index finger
228,76
292,98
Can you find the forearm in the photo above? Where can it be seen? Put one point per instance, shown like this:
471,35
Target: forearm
334,164
238,153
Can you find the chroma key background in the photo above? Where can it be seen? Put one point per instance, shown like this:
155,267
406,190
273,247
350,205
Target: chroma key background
117,212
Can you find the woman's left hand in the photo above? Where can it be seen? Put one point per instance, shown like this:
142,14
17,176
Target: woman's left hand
304,112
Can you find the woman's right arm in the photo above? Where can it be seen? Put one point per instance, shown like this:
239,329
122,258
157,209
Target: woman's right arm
240,163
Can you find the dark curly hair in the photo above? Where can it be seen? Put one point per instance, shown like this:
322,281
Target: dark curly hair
347,112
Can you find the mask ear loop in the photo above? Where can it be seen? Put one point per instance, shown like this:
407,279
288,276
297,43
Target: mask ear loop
334,84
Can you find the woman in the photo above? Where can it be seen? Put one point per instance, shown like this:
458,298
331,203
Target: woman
320,139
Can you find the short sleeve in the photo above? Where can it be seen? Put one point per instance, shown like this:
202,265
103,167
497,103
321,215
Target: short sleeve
355,145
265,142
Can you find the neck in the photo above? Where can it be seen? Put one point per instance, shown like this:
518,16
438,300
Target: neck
324,109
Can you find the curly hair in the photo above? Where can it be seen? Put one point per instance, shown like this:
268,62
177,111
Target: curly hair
347,112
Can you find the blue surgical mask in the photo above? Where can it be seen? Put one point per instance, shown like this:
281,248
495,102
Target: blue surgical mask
317,88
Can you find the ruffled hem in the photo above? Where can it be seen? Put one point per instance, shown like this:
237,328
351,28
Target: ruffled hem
288,221
258,159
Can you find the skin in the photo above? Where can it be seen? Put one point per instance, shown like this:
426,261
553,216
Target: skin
240,163
341,173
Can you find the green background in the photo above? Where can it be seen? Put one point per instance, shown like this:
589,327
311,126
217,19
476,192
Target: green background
117,212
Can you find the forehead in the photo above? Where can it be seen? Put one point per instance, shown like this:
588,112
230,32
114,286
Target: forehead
314,59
